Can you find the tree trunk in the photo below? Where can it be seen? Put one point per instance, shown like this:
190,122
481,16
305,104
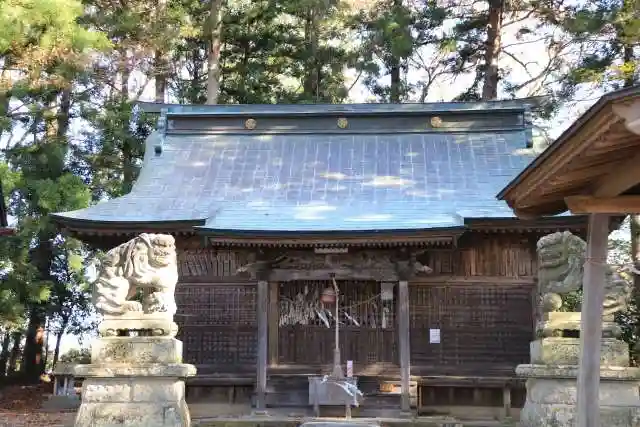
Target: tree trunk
5,74
128,158
56,352
161,64
396,82
33,358
493,46
161,71
64,111
395,72
311,83
15,353
124,71
4,353
45,346
213,57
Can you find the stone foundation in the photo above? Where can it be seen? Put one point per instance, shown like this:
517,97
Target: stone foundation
136,401
138,381
555,323
552,384
566,351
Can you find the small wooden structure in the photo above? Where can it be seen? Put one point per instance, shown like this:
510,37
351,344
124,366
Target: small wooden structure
593,169
63,380
395,202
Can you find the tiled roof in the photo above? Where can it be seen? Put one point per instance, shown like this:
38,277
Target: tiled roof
321,181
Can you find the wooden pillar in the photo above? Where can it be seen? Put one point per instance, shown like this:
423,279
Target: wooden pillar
591,321
274,316
404,337
263,344
506,400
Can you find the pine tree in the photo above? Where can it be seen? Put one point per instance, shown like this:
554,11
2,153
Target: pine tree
42,49
393,33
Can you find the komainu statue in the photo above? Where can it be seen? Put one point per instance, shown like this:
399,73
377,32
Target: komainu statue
561,259
146,263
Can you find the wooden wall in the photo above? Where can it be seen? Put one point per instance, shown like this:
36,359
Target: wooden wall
480,296
216,310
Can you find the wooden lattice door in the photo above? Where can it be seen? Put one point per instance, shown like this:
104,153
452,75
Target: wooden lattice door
306,325
218,326
480,325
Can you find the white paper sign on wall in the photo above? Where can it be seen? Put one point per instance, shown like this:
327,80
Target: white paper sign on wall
349,368
434,336
386,291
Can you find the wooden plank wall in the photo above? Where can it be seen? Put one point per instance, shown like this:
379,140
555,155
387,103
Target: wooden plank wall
488,255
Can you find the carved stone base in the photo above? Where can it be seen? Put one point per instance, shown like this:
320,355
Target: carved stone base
559,415
552,396
553,324
141,396
566,351
137,350
134,381
157,324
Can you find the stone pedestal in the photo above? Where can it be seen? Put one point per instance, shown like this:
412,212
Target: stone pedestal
552,396
552,379
134,381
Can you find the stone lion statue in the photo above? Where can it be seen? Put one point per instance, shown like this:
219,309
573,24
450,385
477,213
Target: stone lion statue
147,263
561,259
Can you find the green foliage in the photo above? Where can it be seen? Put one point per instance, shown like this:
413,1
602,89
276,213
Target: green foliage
620,256
69,305
77,356
607,34
392,32
288,52
112,149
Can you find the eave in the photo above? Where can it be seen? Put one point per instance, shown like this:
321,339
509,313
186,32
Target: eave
386,238
110,234
598,157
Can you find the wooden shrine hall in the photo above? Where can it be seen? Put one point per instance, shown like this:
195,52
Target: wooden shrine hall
397,203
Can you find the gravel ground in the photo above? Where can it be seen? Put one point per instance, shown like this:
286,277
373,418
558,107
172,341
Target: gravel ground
36,419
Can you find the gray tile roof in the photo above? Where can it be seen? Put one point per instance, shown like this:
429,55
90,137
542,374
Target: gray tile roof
318,182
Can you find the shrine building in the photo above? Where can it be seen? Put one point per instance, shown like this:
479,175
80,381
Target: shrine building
397,203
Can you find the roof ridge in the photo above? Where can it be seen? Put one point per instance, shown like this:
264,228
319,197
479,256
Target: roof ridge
479,107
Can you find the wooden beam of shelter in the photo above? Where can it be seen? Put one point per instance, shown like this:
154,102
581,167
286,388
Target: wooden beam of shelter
617,181
604,205
630,113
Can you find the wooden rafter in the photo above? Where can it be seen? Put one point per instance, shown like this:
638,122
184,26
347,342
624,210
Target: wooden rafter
605,205
630,112
619,180
590,132
581,174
